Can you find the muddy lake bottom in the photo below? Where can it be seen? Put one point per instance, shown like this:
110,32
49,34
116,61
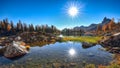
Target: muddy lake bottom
59,54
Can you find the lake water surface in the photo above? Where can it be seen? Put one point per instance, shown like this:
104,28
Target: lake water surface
60,53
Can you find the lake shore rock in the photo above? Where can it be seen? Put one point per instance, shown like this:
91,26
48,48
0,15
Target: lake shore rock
30,38
111,42
15,49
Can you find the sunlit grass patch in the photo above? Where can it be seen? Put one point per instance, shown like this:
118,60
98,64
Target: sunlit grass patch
89,39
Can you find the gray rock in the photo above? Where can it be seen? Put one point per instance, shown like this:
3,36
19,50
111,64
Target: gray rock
14,50
87,45
113,41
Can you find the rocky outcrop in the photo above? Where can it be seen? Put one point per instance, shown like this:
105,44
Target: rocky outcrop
112,43
15,49
30,38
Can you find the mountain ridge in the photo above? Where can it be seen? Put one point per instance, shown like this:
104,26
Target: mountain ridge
92,27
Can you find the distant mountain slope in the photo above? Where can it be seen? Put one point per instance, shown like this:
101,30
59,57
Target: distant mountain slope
94,26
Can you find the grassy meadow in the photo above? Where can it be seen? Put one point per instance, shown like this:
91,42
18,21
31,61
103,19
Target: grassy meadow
89,39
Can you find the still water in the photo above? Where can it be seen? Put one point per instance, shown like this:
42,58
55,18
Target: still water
64,52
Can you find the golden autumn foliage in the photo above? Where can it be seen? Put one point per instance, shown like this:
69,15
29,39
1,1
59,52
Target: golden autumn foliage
27,47
105,27
110,26
8,27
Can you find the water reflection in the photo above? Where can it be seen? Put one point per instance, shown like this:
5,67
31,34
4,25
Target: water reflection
60,53
72,51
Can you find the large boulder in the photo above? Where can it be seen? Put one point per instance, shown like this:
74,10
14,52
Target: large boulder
15,49
113,41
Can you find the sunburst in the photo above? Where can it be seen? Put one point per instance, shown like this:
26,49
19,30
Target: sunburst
73,9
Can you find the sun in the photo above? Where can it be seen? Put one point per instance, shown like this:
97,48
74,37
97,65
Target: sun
72,51
73,11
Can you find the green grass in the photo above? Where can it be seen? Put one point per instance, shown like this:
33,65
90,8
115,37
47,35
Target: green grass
89,39
90,66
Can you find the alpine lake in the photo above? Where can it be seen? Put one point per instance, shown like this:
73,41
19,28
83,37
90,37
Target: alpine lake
59,55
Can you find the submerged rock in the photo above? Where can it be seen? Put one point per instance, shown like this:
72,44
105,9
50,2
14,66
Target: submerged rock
87,45
15,49
90,54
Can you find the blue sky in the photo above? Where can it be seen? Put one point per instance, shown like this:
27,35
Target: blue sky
53,12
